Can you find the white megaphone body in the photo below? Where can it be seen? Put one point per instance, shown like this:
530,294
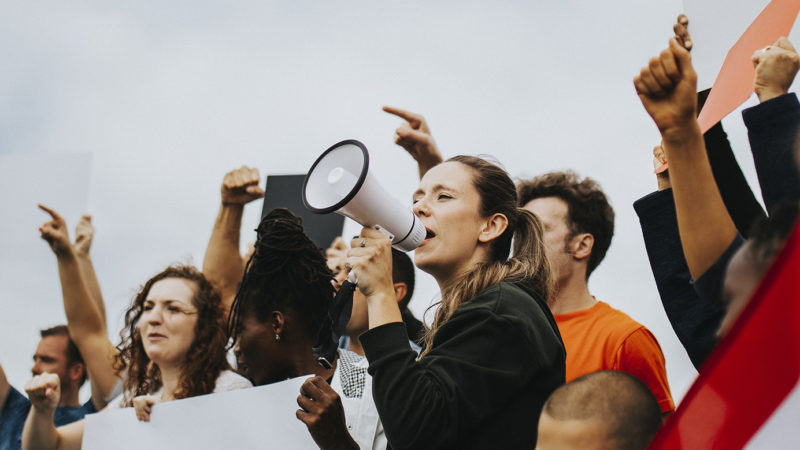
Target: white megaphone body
339,181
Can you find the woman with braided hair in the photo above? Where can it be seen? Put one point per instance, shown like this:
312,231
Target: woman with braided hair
493,354
281,305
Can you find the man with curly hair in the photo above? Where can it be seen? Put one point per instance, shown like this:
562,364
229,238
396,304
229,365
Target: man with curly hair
578,226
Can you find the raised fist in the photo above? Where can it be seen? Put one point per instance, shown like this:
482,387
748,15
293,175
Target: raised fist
776,65
44,391
240,186
667,87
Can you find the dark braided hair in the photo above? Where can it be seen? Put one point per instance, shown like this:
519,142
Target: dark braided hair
286,270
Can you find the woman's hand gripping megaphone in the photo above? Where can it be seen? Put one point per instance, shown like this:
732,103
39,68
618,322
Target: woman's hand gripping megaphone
370,259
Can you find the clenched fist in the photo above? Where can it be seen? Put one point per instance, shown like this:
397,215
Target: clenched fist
776,65
240,186
44,391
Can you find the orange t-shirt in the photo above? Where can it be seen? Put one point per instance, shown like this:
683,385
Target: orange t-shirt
603,338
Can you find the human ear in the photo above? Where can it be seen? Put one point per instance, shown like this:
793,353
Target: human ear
493,228
278,322
75,371
582,245
400,291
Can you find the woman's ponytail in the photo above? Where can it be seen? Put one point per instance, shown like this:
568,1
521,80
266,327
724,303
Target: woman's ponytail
528,264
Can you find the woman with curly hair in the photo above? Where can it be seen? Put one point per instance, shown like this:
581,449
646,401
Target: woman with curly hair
173,347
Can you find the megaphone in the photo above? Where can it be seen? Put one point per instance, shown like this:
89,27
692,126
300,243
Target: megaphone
339,181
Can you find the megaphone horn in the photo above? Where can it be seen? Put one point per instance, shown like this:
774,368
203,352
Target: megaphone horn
339,181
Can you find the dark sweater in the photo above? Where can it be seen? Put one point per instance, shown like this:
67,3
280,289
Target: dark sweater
484,382
694,309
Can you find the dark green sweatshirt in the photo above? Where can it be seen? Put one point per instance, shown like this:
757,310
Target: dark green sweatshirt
484,382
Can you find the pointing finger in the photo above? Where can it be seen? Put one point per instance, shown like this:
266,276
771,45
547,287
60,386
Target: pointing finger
415,120
52,213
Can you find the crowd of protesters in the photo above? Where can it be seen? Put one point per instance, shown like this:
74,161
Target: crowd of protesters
518,353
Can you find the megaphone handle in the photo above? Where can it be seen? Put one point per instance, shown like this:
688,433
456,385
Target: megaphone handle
385,232
351,276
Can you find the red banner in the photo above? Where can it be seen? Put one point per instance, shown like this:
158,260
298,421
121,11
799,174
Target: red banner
752,370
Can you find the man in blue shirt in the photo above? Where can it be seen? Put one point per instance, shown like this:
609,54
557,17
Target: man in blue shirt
56,353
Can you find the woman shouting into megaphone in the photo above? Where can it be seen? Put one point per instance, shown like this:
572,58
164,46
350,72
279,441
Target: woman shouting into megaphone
493,353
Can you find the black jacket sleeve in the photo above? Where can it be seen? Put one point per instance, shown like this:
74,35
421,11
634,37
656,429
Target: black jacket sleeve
739,200
772,128
694,319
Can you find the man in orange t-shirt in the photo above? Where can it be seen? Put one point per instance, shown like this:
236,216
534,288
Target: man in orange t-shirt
578,225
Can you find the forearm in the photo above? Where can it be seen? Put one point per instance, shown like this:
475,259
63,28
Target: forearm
4,388
99,359
87,328
83,317
90,278
39,432
694,320
739,200
705,227
382,309
772,128
426,164
223,264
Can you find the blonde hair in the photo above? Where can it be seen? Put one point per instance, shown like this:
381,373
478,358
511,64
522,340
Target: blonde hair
528,264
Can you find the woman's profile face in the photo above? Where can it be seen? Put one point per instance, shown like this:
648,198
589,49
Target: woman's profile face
168,321
449,206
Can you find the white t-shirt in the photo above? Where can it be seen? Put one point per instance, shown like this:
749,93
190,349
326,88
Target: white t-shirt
227,380
354,386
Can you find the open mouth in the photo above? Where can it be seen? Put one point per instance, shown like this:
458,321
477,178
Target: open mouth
429,234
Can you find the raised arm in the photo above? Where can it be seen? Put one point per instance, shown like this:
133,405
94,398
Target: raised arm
4,388
44,392
667,89
84,321
222,263
414,135
84,235
773,125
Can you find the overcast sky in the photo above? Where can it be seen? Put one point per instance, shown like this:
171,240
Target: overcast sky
134,111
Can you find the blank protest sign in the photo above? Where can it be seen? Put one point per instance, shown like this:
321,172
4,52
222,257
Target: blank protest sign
261,417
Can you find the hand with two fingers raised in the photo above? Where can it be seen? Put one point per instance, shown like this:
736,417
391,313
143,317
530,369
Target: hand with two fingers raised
84,234
681,29
322,411
240,186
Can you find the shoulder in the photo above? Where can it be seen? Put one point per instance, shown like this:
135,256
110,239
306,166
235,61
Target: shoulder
67,414
13,413
509,307
15,401
506,298
616,322
229,380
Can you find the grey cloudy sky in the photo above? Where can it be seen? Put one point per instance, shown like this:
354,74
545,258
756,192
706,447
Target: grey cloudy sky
134,111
